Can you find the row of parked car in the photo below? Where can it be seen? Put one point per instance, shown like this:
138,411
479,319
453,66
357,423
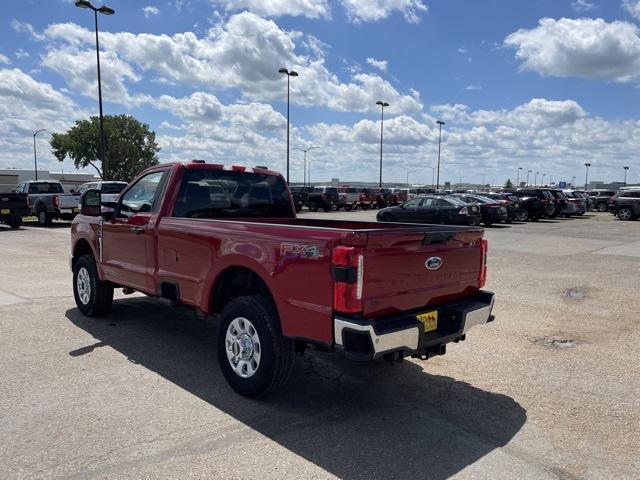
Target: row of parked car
508,206
47,200
349,198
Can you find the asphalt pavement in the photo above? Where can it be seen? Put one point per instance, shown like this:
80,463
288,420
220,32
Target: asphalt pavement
550,390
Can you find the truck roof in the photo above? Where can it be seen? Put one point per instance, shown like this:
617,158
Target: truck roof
201,164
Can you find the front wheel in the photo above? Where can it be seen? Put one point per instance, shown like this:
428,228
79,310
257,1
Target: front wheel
93,296
348,207
254,356
522,216
625,214
313,206
441,220
488,224
602,207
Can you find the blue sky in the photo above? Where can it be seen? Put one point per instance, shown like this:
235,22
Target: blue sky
543,84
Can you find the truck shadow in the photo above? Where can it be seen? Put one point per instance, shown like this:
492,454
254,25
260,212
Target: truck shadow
356,421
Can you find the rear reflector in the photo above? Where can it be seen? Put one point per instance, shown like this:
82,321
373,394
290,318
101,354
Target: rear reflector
484,249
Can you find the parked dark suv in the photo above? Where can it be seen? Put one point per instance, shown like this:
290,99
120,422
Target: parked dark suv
513,204
537,202
625,204
601,199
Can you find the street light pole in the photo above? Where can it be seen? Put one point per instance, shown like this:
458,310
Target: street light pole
35,155
305,150
586,178
289,74
382,105
528,172
440,124
483,176
105,11
535,182
518,181
543,175
625,174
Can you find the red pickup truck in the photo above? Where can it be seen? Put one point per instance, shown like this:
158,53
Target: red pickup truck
225,241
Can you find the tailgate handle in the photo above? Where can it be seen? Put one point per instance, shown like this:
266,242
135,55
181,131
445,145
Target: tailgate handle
437,238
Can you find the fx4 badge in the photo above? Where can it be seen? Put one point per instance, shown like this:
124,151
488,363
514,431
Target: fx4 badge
433,263
300,250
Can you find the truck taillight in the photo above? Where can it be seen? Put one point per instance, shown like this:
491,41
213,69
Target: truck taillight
484,248
348,270
56,201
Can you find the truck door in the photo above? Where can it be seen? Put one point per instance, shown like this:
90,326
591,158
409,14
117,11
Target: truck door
126,240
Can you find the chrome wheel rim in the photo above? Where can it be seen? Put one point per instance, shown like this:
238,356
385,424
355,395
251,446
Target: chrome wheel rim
602,207
624,214
243,348
83,285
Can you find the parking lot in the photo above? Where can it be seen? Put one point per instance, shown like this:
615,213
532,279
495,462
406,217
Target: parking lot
551,389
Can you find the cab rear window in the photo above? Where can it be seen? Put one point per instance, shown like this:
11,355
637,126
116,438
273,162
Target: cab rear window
224,194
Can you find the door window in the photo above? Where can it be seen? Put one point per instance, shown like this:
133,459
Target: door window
413,203
429,202
141,197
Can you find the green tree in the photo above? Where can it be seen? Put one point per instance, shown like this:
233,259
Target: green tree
508,183
130,146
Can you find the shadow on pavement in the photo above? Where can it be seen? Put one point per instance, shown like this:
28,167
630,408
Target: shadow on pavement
356,421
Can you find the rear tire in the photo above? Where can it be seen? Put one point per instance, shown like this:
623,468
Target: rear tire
523,216
44,219
93,296
601,207
14,223
441,220
348,208
365,206
313,207
254,356
487,224
625,213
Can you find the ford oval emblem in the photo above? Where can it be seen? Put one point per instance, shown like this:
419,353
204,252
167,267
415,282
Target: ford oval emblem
433,263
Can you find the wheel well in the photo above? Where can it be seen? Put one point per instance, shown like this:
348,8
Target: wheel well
82,247
235,282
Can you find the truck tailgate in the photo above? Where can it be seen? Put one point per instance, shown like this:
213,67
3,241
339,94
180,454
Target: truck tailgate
69,200
411,270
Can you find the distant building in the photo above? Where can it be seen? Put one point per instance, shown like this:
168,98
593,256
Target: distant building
10,177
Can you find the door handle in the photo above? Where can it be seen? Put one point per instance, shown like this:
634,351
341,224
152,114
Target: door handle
137,230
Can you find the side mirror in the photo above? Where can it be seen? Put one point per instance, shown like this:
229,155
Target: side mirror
90,203
73,190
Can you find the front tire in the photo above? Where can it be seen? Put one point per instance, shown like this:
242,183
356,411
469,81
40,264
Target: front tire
523,216
602,207
313,207
15,223
93,296
254,356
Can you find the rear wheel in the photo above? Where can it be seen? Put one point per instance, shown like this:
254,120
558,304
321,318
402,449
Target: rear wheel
601,207
488,224
14,222
313,206
625,214
93,296
441,220
254,356
348,207
522,216
365,206
44,219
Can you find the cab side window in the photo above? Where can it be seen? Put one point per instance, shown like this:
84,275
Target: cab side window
416,202
142,196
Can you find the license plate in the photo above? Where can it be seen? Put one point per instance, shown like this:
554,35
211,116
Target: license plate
429,320
5,211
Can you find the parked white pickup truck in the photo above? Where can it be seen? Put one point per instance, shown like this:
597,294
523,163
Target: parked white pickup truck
48,200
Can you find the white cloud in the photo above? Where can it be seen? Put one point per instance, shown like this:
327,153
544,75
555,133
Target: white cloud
379,64
633,7
23,27
150,11
582,6
243,53
589,48
27,105
375,10
473,87
278,8
4,59
21,54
